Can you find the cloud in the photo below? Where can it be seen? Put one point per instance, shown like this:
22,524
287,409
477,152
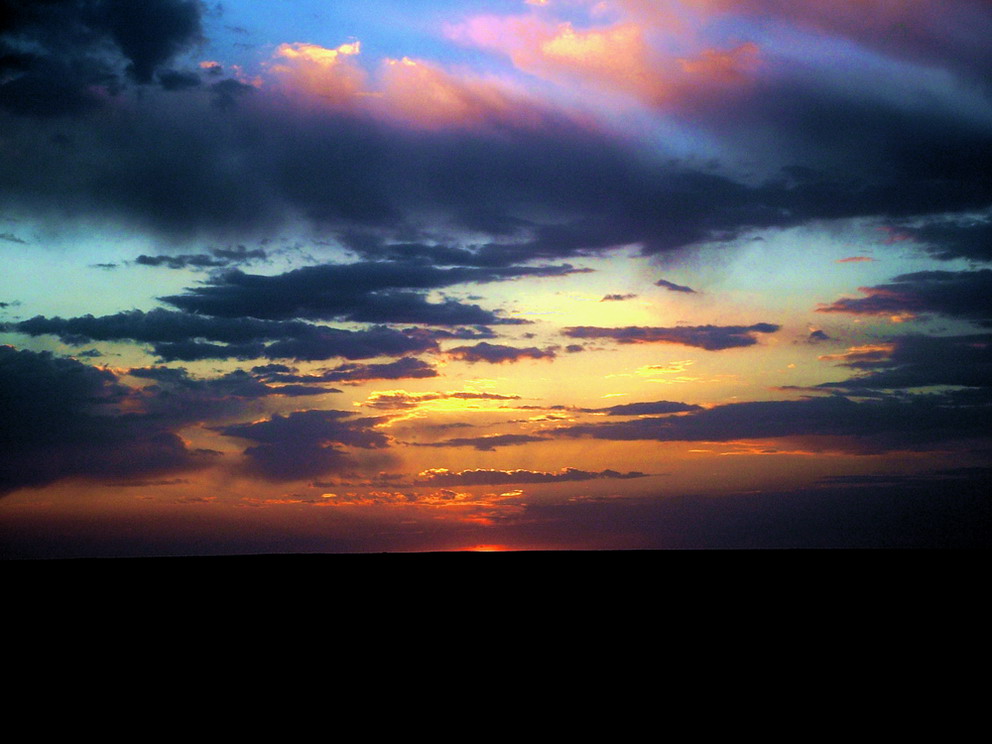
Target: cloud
391,400
304,444
918,361
947,240
488,443
329,74
61,419
354,373
711,338
422,94
617,297
62,57
497,353
646,409
890,423
486,477
617,58
174,382
536,183
216,258
177,79
957,294
376,292
181,336
955,40
672,287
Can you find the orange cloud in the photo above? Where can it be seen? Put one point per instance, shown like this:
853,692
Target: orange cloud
327,73
866,353
617,57
426,95
412,91
723,67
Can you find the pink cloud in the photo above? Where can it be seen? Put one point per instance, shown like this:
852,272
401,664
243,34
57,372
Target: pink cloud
621,57
329,74
416,92
426,95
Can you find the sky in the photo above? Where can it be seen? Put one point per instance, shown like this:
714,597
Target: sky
294,276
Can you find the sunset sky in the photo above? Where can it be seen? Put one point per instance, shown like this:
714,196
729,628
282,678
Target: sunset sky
283,276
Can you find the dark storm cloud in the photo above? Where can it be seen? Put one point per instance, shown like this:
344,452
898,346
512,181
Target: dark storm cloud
950,239
498,353
177,165
957,294
177,79
890,423
817,336
923,361
304,444
176,336
672,287
867,155
617,297
59,419
711,338
376,292
482,477
263,161
60,57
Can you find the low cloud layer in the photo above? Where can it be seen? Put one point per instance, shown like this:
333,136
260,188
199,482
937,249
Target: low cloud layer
482,477
304,444
61,419
711,338
186,336
886,424
957,294
918,361
498,353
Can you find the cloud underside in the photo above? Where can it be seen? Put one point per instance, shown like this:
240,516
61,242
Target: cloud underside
185,336
436,182
919,361
482,477
892,423
176,164
64,419
965,295
304,444
498,353
711,338
60,419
